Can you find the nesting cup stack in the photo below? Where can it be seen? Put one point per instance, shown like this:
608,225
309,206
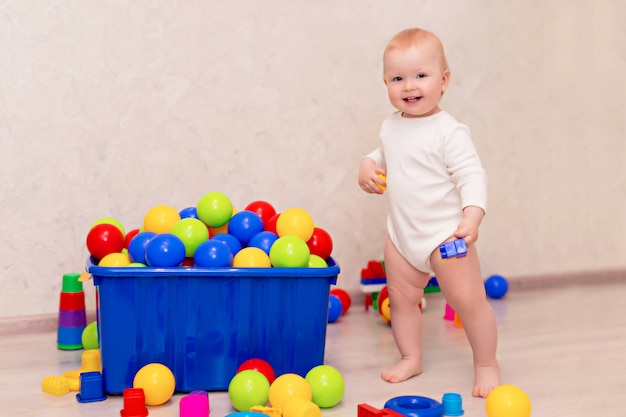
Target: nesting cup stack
72,314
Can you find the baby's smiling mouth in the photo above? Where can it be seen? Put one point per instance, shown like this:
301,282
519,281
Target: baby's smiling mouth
411,99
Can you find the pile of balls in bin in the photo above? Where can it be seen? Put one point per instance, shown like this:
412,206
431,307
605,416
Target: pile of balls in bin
213,234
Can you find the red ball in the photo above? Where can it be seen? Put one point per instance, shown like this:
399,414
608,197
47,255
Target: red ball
270,226
104,239
344,297
188,262
264,209
320,244
129,236
259,365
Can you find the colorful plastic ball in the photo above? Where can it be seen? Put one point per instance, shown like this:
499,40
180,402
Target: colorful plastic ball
288,386
264,209
270,226
507,401
320,243
129,236
214,209
245,225
165,250
263,240
384,308
213,254
137,247
289,252
259,365
192,232
343,295
113,260
295,222
103,239
109,220
335,308
496,286
160,219
136,265
157,381
188,212
327,385
251,258
233,243
89,338
317,262
247,389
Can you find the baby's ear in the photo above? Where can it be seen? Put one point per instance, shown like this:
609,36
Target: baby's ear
445,80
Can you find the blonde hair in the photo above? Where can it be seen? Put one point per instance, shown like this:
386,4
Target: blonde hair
413,37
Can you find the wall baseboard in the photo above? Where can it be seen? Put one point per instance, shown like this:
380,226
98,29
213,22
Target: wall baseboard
10,326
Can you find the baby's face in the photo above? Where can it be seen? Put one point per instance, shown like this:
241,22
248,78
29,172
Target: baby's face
415,79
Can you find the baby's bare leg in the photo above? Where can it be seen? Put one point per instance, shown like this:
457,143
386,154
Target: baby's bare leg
406,288
462,283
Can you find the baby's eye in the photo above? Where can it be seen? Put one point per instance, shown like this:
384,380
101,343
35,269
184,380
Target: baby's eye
396,79
421,75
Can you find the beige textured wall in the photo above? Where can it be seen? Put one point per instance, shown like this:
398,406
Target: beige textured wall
109,108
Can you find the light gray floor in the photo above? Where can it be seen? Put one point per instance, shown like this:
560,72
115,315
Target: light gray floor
565,347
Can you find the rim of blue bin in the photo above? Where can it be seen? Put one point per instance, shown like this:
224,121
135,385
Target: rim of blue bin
190,271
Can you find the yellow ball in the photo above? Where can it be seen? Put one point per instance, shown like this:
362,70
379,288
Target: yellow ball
288,386
385,310
382,177
295,222
115,259
157,381
251,257
507,401
160,219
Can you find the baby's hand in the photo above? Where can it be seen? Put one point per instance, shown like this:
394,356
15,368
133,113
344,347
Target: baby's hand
371,177
468,227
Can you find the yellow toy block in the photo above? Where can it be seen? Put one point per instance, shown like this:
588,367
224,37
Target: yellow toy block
270,411
55,385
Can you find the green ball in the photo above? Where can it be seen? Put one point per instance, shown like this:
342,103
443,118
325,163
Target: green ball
214,209
192,232
290,252
327,385
109,220
316,261
89,337
247,389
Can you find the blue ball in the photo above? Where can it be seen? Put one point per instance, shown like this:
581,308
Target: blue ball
188,212
335,308
263,240
165,250
496,286
137,247
233,243
213,254
244,225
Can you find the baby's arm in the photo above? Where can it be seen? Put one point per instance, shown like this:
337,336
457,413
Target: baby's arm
370,176
468,227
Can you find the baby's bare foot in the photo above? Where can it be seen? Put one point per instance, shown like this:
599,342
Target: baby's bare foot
402,371
486,378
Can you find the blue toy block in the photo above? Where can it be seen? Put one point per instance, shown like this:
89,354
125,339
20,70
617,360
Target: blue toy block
455,249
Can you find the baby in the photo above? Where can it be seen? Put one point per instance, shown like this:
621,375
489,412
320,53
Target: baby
437,190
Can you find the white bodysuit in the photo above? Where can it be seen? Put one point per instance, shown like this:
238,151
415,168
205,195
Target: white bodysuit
433,173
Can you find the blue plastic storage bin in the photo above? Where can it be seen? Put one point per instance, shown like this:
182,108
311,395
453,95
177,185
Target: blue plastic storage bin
202,323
